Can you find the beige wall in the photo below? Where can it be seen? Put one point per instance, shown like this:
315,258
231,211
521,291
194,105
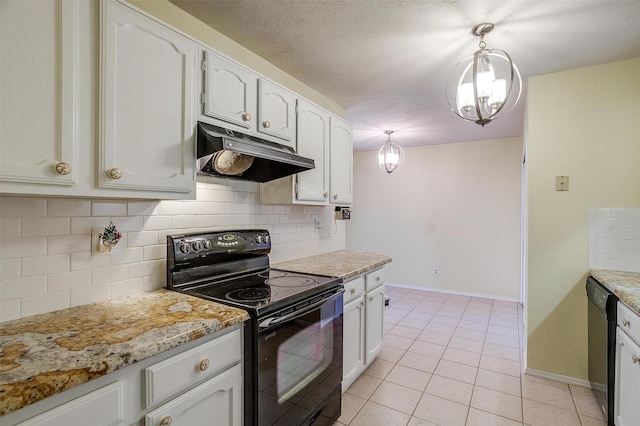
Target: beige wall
172,15
584,124
455,207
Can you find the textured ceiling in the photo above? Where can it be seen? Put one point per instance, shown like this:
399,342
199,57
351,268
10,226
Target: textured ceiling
387,61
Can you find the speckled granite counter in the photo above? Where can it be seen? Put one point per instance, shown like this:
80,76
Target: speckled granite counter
625,285
46,354
343,263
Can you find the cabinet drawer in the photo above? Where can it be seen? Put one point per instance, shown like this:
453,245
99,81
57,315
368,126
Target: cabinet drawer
353,289
177,373
103,407
629,321
375,279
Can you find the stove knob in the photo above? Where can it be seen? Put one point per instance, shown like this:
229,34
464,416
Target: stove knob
184,248
266,239
207,244
197,246
259,239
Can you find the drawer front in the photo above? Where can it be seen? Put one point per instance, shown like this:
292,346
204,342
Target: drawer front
179,372
353,289
102,407
629,321
375,279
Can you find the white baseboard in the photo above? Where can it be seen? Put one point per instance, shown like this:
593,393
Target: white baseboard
562,379
459,293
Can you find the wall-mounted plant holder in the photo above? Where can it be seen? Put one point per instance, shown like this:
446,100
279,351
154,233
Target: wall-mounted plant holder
103,240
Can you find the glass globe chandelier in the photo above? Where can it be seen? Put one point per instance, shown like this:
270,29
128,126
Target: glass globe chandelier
390,154
487,83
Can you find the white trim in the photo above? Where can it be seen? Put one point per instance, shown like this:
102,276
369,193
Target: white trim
562,379
459,293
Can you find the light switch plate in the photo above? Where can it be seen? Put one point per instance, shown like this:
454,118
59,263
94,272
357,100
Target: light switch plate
562,183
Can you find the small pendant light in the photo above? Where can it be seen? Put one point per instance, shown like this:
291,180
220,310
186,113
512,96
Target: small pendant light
390,155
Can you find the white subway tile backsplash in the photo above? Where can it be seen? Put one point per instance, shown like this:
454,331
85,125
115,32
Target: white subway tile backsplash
9,269
68,244
23,207
614,239
72,275
23,287
10,228
13,248
44,303
68,280
46,226
109,208
108,274
44,265
9,310
68,207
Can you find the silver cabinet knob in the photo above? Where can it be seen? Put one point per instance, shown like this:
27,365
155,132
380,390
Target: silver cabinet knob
635,359
625,322
166,421
266,124
326,194
204,364
246,116
378,278
353,291
335,196
63,168
115,173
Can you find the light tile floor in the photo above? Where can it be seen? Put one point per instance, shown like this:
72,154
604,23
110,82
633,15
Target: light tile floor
456,360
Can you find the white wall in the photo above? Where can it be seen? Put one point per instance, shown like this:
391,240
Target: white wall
45,243
456,207
583,124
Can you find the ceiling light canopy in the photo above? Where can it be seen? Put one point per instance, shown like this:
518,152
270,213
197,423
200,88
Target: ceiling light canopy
390,154
486,85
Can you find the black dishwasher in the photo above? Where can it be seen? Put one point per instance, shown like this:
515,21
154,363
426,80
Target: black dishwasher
602,315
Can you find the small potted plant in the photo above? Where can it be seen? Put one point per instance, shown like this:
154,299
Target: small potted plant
110,236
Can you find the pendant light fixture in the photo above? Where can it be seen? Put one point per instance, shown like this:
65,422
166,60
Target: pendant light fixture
390,154
486,85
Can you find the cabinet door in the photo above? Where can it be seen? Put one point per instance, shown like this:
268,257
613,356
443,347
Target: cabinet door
147,121
341,173
627,388
313,136
215,402
375,323
230,92
353,342
38,92
103,407
276,112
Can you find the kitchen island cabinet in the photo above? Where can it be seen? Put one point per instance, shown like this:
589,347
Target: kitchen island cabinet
134,355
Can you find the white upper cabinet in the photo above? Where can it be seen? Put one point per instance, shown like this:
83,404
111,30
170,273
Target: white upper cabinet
229,92
313,142
147,90
237,99
341,162
38,41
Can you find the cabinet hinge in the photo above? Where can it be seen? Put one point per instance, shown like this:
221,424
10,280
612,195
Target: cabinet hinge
202,98
203,65
295,186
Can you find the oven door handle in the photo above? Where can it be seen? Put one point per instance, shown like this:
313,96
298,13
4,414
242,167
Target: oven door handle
271,321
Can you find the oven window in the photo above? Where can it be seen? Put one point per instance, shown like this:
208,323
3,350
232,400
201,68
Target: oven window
300,363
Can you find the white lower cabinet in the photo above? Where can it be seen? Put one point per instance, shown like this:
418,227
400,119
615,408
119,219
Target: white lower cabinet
363,324
627,381
199,383
216,401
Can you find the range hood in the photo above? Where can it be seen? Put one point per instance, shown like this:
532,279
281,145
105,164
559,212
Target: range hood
225,153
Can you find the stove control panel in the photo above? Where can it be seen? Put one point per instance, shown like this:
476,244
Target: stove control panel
187,247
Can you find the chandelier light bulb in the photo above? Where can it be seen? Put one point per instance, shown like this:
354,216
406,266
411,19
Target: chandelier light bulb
485,85
390,155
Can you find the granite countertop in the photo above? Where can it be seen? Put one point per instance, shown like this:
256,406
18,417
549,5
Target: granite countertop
625,285
345,264
48,353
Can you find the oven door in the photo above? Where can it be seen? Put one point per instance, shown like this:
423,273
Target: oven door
300,364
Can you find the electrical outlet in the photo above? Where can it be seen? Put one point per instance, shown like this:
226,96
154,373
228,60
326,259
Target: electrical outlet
317,224
436,271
